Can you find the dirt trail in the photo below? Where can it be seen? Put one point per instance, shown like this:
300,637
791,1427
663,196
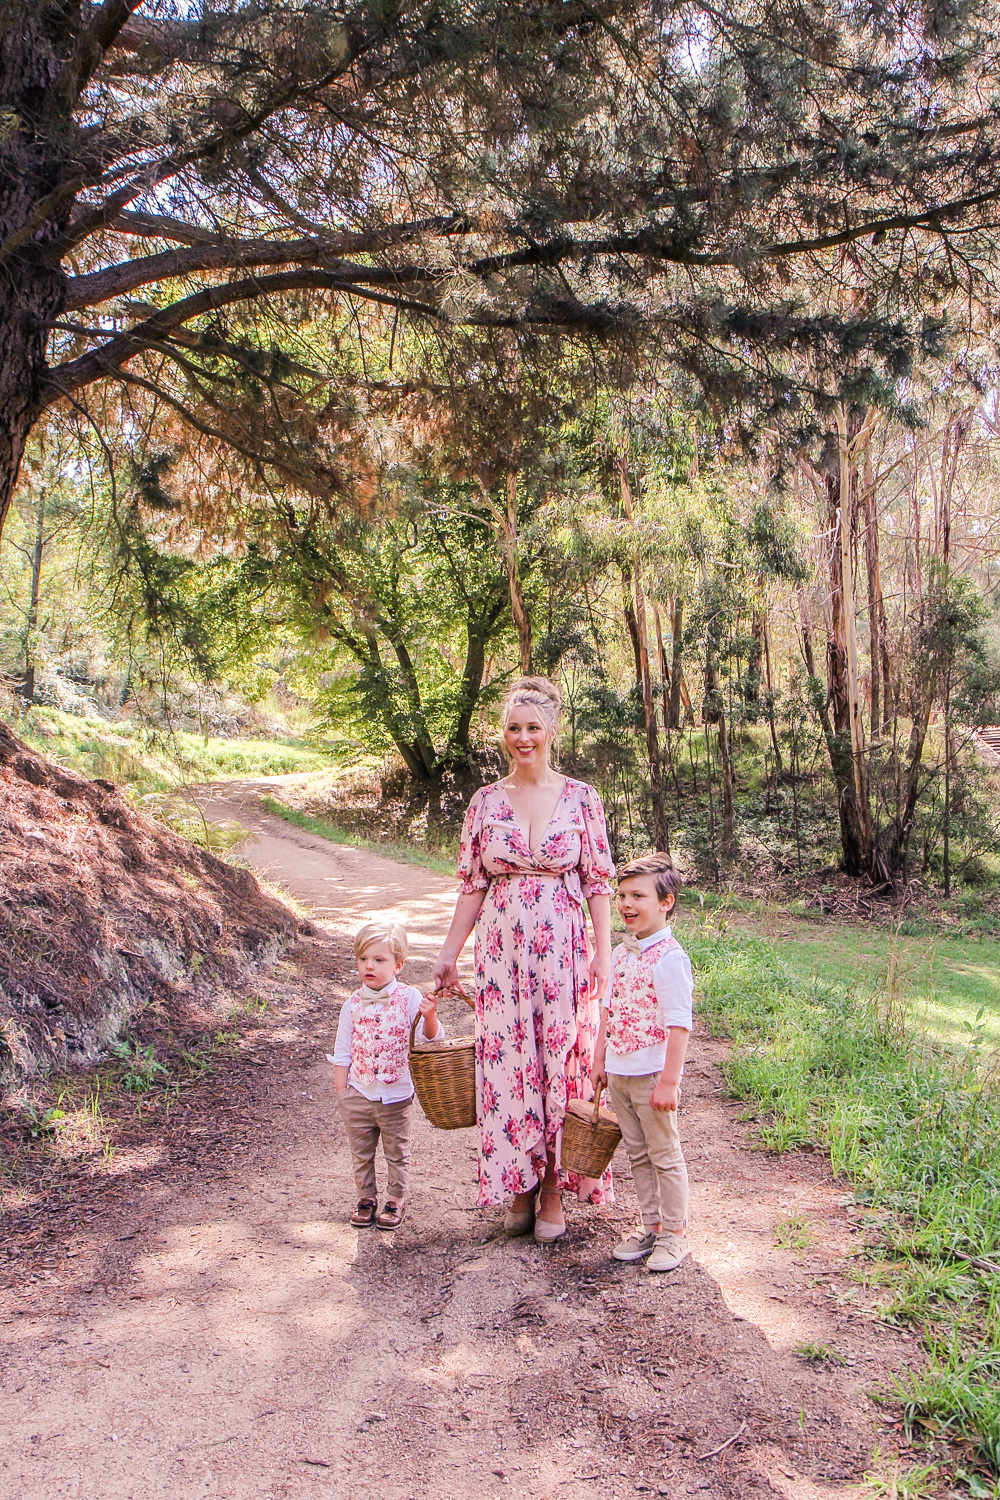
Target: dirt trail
232,1336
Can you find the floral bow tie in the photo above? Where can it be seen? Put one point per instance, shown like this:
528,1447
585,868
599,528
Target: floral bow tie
631,943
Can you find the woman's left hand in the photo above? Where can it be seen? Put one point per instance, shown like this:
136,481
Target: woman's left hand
597,984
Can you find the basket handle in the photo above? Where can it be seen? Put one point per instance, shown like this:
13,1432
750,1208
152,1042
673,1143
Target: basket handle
455,989
596,1120
452,989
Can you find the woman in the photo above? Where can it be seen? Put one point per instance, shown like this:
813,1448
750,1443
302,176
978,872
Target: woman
534,848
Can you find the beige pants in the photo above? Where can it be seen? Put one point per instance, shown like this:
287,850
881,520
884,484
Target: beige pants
654,1149
365,1120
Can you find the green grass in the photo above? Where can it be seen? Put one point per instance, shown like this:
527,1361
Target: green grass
913,1126
325,828
145,762
944,981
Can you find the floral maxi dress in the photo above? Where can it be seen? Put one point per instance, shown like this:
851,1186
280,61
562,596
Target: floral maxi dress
535,1024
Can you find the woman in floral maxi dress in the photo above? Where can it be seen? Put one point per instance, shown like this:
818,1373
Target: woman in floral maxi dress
537,992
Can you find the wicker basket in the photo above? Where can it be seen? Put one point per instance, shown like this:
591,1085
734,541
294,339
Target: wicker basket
444,1076
590,1137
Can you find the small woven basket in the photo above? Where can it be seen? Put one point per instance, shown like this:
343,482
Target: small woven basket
444,1076
590,1137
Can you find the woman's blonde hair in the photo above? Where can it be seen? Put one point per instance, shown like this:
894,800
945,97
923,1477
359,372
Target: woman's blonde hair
538,693
391,933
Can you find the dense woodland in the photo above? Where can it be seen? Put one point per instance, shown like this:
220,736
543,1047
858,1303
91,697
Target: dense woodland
379,354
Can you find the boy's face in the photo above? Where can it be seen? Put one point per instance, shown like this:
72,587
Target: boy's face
640,908
378,966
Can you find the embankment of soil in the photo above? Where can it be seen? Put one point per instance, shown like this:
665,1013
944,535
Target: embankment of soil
102,911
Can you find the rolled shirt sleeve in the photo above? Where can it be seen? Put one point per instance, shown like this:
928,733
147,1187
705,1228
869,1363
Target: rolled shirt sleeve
674,986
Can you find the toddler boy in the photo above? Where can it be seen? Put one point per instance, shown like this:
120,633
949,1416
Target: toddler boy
372,1069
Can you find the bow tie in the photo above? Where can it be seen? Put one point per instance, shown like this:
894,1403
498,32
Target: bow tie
375,997
631,943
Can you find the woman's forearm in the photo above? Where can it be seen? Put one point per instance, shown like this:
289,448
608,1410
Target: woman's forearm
467,909
600,916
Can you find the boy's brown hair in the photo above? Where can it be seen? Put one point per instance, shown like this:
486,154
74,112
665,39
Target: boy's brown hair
660,866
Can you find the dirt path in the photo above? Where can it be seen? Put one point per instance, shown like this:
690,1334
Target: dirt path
227,1333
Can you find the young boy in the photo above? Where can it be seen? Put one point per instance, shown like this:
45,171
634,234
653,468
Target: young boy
645,1023
372,1070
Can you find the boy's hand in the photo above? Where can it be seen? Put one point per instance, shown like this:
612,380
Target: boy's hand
428,1010
598,1069
664,1096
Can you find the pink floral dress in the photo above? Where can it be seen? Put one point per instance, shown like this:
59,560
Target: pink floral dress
535,1026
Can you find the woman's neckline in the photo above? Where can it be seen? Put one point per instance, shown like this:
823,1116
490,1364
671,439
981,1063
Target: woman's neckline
517,822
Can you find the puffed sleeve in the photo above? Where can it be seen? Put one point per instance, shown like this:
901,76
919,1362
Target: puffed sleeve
597,868
471,875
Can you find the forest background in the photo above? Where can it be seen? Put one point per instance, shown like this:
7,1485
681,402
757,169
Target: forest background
650,349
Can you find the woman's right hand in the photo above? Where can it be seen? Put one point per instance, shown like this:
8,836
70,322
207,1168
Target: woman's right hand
445,974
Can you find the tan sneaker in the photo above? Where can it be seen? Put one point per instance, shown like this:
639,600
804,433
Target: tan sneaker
638,1244
669,1252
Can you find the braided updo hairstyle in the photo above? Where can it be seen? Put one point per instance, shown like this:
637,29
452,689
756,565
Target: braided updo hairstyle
538,693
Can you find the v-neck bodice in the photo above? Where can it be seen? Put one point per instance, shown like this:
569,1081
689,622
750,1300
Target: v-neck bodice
574,843
519,825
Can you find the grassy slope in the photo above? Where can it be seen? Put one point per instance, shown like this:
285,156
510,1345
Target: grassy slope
127,754
944,981
913,1126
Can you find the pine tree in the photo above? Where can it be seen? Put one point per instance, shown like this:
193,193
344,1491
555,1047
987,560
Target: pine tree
641,177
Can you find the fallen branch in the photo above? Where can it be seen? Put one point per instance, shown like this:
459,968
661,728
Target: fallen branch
977,1260
723,1446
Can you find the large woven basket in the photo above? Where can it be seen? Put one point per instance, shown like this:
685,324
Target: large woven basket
590,1137
444,1076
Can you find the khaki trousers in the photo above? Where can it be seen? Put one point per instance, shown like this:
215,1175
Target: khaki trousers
365,1120
654,1149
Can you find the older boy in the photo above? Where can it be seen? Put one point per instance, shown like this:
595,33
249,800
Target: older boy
645,1023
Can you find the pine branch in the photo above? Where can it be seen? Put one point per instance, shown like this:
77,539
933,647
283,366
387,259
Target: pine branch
220,254
112,356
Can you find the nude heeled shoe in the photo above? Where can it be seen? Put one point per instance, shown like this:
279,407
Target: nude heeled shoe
546,1233
519,1223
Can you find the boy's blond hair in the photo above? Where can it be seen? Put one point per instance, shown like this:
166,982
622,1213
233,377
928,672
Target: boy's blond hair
392,933
661,867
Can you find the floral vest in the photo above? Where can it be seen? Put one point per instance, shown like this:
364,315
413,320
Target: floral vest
633,1022
380,1035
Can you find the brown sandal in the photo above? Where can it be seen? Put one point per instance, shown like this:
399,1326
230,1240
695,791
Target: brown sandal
363,1216
391,1216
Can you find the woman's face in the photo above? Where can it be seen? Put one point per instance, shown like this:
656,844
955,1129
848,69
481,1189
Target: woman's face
527,737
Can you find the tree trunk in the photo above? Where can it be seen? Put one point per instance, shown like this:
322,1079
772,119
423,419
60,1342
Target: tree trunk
664,669
628,608
505,520
716,714
854,853
676,668
878,633
770,698
37,145
28,687
518,603
641,643
472,682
